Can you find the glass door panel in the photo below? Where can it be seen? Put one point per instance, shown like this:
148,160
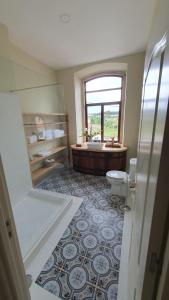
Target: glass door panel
111,122
105,82
94,120
103,96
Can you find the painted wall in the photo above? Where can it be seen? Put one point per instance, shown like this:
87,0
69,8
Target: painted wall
19,70
6,69
4,49
28,72
135,65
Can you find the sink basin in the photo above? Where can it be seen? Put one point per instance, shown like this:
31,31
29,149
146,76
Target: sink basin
95,145
116,145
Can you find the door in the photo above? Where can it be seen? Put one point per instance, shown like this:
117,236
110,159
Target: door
149,206
13,279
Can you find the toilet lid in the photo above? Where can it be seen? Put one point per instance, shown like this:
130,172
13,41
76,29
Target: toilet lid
116,175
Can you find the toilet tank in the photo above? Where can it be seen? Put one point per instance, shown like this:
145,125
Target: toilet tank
132,171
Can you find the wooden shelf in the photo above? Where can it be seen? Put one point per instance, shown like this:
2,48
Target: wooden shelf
52,152
51,123
45,141
58,144
39,173
44,114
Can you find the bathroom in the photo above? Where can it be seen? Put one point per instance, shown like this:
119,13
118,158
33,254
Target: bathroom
39,97
68,164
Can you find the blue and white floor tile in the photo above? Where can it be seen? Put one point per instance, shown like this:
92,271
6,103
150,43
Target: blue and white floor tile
85,263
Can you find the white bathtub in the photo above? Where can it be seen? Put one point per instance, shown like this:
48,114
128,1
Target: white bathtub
35,217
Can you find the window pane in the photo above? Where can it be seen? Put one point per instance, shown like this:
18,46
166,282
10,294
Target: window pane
105,82
111,117
101,97
94,120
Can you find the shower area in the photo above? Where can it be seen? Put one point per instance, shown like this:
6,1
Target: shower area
37,213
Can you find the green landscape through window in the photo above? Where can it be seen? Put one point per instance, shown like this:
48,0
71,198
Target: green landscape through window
103,97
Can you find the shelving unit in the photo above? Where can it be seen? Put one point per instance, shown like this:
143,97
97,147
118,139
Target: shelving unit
52,152
45,142
56,147
53,123
41,172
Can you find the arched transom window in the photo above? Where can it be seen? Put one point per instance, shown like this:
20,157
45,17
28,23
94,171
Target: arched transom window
103,104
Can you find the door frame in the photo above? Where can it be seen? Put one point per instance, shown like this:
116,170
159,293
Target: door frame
160,209
159,224
14,284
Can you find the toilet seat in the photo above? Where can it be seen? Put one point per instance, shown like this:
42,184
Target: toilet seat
120,181
117,176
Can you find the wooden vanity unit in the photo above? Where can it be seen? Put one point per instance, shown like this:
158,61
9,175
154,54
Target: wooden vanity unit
98,161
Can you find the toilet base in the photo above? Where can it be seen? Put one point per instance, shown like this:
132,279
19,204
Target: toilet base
120,189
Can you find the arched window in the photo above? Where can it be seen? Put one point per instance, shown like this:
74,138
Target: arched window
103,103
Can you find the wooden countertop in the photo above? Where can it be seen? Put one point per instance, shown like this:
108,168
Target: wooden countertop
104,149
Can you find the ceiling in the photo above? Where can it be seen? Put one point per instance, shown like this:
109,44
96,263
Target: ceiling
98,29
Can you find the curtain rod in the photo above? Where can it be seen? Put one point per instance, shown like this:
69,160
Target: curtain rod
34,87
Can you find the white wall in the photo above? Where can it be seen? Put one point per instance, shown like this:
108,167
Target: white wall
19,70
6,70
135,65
28,72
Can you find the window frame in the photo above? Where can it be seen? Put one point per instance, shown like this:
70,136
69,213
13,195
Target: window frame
122,75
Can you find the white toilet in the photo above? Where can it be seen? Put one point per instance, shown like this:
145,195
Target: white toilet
122,181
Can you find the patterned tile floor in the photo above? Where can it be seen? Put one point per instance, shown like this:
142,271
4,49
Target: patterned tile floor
85,263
